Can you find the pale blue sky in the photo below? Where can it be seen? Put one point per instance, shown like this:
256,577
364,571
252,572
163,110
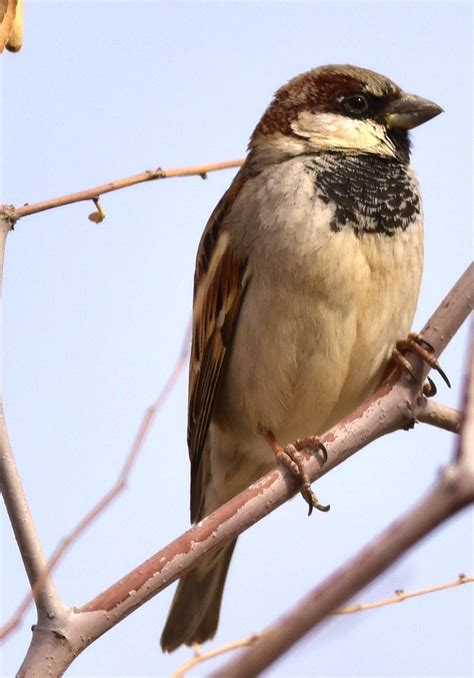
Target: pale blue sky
94,315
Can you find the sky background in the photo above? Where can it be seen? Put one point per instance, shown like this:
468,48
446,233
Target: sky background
94,315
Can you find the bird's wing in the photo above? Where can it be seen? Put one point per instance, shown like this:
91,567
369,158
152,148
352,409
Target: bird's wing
219,286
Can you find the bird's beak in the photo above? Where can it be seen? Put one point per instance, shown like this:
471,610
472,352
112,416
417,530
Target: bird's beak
409,111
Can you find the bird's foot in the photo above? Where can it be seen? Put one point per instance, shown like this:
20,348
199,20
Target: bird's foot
292,457
415,342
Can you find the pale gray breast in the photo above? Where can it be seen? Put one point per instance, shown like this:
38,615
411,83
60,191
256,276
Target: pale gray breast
290,209
335,268
278,219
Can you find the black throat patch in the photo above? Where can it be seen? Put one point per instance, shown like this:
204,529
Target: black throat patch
372,193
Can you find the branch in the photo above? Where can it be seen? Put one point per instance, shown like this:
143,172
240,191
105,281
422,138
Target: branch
199,657
107,499
15,213
249,641
401,595
453,491
47,598
390,408
437,414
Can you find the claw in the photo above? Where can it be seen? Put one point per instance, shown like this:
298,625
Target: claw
312,500
403,362
418,339
429,388
415,342
313,444
292,458
315,503
436,366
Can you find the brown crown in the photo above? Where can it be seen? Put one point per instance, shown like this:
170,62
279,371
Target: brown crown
320,90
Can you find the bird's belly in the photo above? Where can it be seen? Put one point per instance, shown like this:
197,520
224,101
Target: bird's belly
309,351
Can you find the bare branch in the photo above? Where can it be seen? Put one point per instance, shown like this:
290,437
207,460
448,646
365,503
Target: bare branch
390,408
199,657
453,491
437,414
95,193
47,598
465,451
443,501
249,641
107,499
401,595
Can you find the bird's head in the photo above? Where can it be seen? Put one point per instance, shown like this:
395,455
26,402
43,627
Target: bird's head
340,108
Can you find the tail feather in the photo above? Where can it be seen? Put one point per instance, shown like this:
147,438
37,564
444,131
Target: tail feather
194,612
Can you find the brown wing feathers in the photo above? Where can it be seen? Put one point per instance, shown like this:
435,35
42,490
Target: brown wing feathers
220,282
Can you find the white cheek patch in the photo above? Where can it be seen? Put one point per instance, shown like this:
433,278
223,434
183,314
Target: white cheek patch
334,131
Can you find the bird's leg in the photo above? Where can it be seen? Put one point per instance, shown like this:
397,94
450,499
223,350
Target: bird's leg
415,342
291,456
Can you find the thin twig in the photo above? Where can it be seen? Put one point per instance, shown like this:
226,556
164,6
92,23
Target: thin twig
465,450
200,657
390,408
95,192
248,641
48,601
403,595
443,501
273,489
453,491
107,499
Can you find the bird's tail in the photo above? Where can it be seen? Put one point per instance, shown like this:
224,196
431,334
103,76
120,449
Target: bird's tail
194,612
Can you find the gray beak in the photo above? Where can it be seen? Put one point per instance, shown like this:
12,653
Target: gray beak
409,111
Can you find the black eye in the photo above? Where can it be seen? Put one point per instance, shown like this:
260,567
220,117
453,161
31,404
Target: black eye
356,104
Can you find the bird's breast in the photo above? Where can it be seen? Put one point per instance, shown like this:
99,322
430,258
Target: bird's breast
322,311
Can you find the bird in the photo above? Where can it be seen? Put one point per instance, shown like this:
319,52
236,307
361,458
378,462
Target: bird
306,281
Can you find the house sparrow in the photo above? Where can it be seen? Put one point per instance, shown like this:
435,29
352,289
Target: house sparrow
307,274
